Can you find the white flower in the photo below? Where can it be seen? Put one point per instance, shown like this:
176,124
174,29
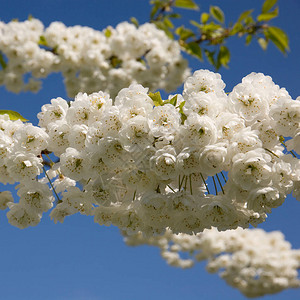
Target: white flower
58,135
102,192
77,136
140,180
55,111
112,152
74,164
24,166
135,93
153,210
285,115
188,161
263,199
97,165
163,163
110,122
62,183
35,197
244,141
5,198
75,198
248,102
267,134
294,143
94,134
283,175
164,120
204,81
202,103
265,87
79,112
30,138
136,134
213,159
219,211
22,217
251,169
4,175
5,146
60,211
198,131
99,102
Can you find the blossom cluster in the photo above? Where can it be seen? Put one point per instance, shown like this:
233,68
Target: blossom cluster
89,60
201,159
252,260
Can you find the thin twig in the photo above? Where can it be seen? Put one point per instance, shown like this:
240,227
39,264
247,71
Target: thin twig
185,184
181,183
206,186
58,200
220,183
223,177
171,188
283,143
213,177
271,152
191,187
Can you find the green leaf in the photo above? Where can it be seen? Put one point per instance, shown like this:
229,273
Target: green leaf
217,13
107,32
156,97
244,15
210,28
173,100
134,21
115,61
263,43
205,17
13,115
2,61
175,16
162,26
267,6
183,116
237,27
223,56
154,10
184,33
249,20
278,37
181,105
248,39
194,49
268,16
188,4
196,24
210,56
168,22
43,41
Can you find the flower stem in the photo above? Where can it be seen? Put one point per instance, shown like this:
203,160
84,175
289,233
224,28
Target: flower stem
53,189
206,186
213,177
220,183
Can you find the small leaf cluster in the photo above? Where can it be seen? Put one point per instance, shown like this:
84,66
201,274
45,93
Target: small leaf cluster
158,101
13,115
209,34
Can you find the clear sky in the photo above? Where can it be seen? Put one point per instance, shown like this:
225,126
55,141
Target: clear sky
81,260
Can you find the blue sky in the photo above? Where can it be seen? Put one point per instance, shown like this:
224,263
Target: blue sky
81,260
